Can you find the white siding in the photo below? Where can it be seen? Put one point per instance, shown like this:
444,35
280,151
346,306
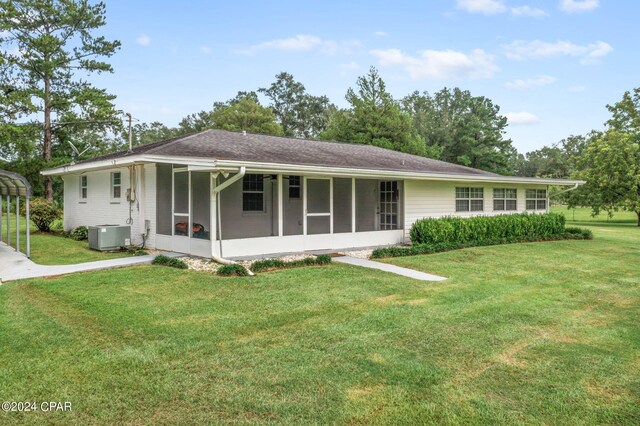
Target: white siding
99,208
437,199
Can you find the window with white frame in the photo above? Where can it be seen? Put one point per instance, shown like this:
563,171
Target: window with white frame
253,193
116,185
469,199
505,199
294,187
83,187
536,199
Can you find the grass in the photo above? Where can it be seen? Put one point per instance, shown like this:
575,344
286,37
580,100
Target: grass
539,333
53,249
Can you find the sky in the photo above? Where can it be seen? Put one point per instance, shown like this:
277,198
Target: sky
551,65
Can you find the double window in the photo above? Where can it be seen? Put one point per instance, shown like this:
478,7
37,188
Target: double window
505,199
536,199
294,187
116,185
253,193
469,199
83,187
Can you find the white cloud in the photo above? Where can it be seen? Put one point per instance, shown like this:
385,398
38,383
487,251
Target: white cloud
533,12
536,49
143,40
205,49
577,89
528,83
486,7
577,6
353,65
440,64
380,34
521,118
303,43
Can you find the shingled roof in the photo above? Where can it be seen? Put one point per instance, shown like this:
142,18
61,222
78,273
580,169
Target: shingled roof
237,146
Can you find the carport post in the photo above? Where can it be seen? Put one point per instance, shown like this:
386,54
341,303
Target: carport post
18,223
9,220
28,230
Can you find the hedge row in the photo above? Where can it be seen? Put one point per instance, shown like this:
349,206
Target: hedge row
568,234
486,228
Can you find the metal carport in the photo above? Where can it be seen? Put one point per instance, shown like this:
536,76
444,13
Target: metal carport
12,185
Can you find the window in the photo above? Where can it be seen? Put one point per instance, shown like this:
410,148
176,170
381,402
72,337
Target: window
253,193
389,195
83,187
116,185
294,187
536,199
469,199
505,199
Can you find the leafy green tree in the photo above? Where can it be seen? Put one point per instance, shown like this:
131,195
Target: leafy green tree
299,114
374,119
626,114
465,129
556,161
611,167
246,115
44,44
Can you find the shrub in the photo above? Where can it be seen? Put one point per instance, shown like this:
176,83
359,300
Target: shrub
486,228
81,233
233,269
578,233
161,259
42,213
271,264
323,259
136,251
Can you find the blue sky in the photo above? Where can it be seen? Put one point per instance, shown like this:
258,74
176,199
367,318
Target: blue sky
552,66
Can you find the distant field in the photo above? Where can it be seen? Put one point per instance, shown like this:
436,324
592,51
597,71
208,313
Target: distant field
583,214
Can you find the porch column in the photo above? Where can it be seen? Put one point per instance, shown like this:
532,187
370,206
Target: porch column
353,205
213,216
280,207
1,217
304,206
331,205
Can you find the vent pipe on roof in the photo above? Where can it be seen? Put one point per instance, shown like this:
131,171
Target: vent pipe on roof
244,133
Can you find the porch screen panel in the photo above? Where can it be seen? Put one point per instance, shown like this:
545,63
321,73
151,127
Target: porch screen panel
318,196
292,205
163,199
341,205
181,204
318,225
200,205
366,204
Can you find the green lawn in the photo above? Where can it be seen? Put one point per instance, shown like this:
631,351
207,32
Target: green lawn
53,249
539,333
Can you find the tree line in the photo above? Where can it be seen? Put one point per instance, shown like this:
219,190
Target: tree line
50,115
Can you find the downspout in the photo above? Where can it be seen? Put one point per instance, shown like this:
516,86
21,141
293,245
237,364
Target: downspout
216,193
575,186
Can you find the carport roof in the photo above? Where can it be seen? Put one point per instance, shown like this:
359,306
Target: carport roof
13,184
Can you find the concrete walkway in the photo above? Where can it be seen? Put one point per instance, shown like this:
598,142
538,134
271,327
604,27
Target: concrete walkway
398,270
16,266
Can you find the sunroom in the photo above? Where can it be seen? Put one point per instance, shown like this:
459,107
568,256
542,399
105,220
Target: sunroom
249,213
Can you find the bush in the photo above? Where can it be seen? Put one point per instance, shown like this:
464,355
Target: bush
396,251
233,269
81,233
136,251
161,259
42,213
486,228
273,264
323,259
